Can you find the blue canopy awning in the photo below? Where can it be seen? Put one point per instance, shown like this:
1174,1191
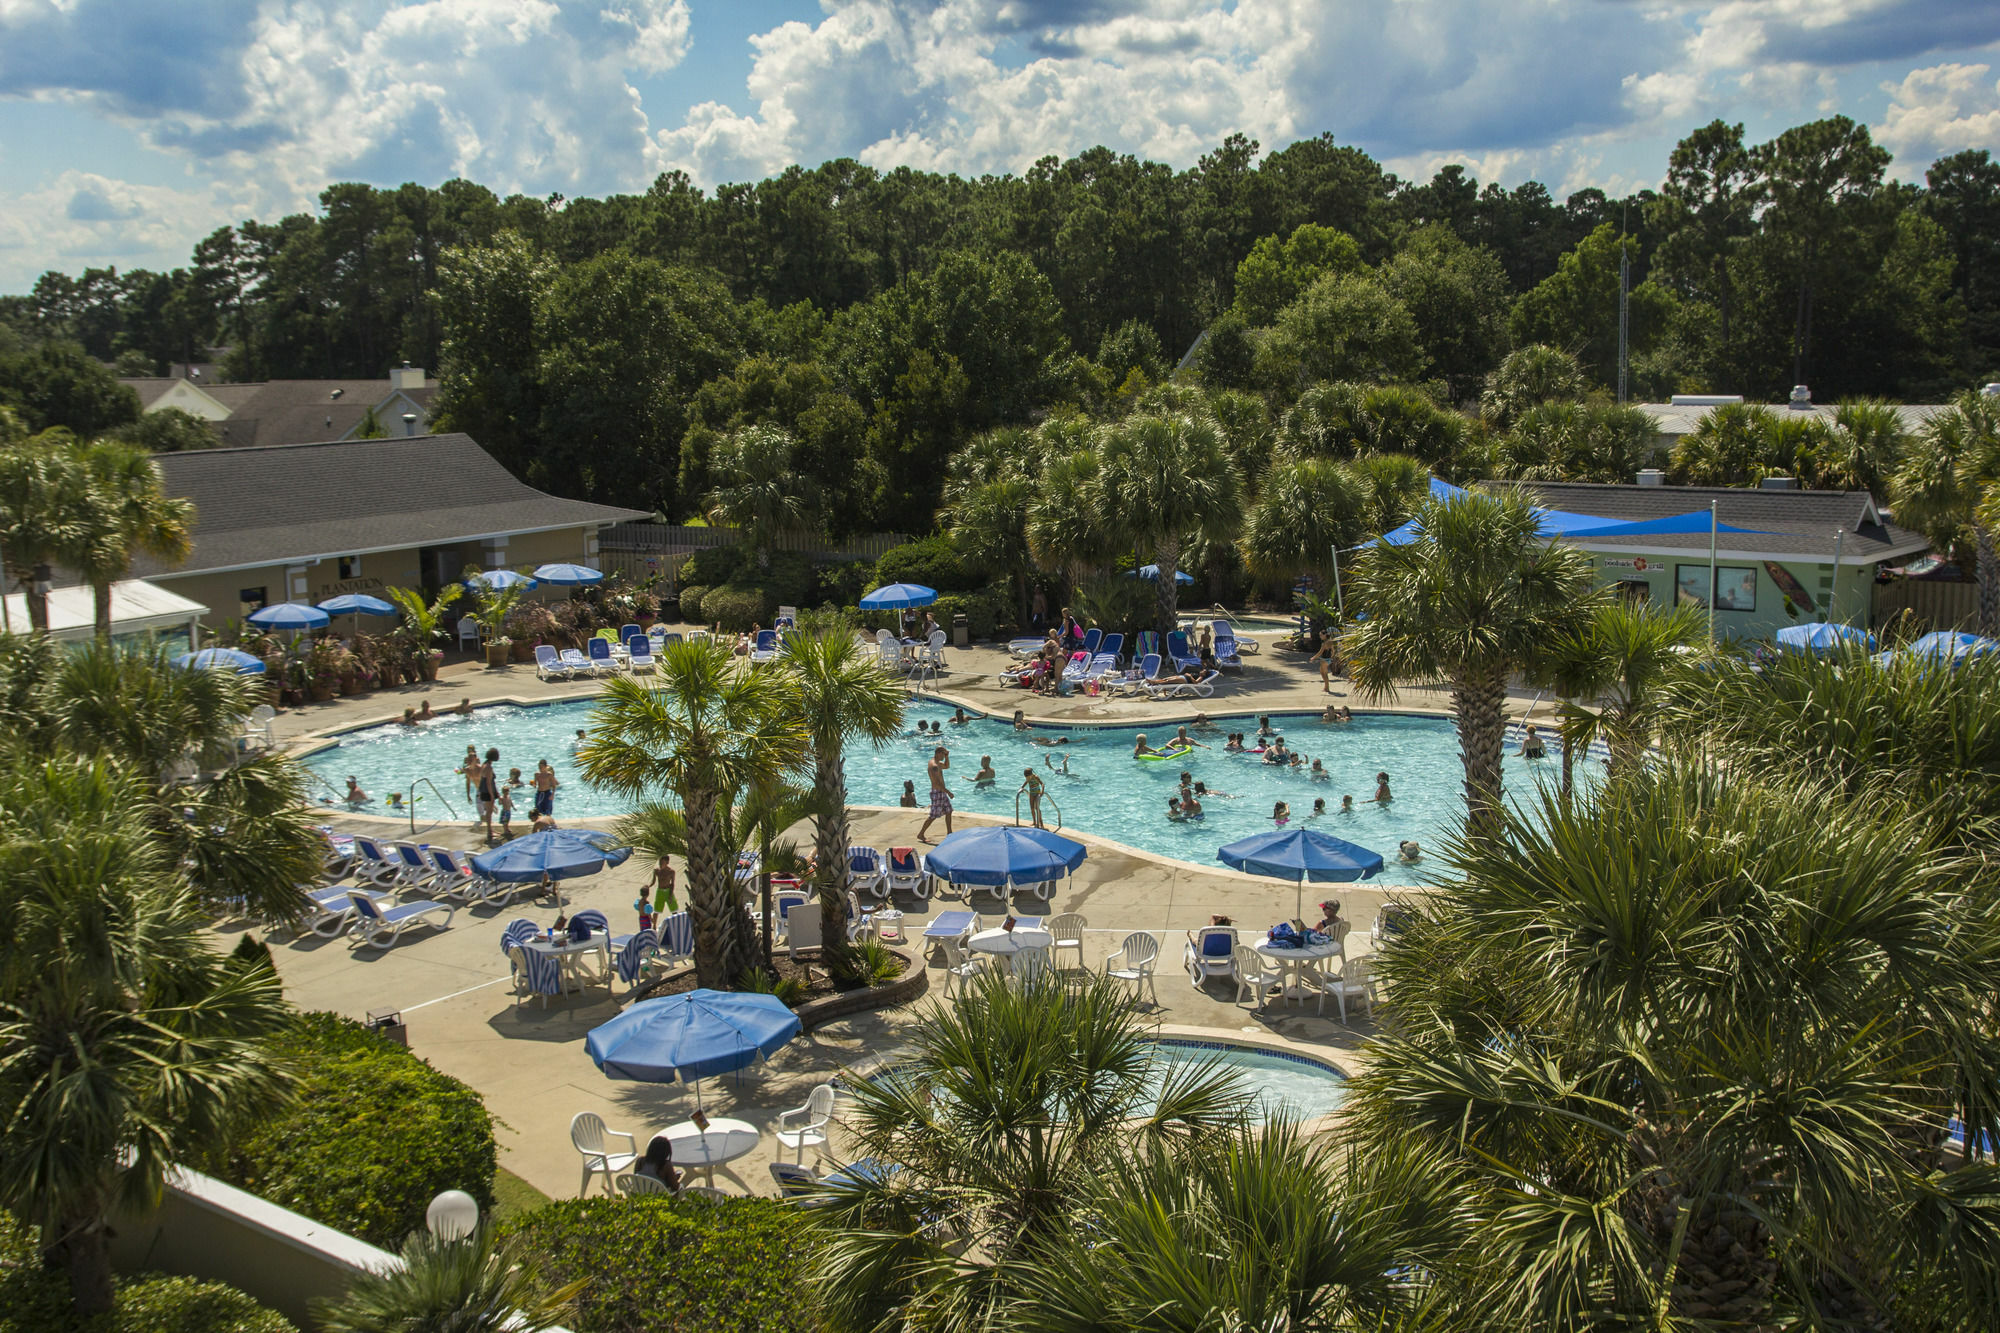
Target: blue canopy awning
1674,525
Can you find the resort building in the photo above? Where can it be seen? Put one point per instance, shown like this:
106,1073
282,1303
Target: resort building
298,411
305,522
139,611
1782,556
1678,417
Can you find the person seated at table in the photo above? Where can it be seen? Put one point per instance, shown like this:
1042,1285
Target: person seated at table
1139,747
909,801
355,796
659,1163
1329,917
985,777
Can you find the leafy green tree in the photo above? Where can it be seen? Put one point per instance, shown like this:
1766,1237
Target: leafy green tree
1344,327
45,513
1459,296
489,385
1064,526
1132,348
169,430
1735,444
1574,442
1576,307
1477,599
1277,271
704,729
758,491
58,384
1632,652
1706,208
1163,479
1227,356
127,1044
470,1284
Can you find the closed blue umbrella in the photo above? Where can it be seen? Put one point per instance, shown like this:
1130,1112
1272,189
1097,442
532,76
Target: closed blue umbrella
288,615
1822,637
221,659
1951,645
569,576
1300,855
1004,855
691,1036
558,853
501,578
896,596
1153,572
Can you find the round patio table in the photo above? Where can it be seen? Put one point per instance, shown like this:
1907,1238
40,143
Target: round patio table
1295,961
724,1140
568,952
1004,944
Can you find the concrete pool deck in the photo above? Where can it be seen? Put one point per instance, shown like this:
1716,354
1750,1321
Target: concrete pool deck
452,986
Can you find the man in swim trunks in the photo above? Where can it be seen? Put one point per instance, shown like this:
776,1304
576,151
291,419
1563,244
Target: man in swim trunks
940,797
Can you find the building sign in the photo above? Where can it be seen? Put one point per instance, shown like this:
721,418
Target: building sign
1637,562
341,587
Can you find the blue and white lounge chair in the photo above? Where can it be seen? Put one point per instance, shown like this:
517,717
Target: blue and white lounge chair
639,653
575,662
332,910
535,974
380,927
1091,638
626,631
373,864
1177,648
1113,644
1212,953
766,647
1101,666
548,666
1226,655
867,871
416,870
908,872
1149,667
949,928
602,662
1078,667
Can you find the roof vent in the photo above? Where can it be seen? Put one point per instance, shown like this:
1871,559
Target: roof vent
1704,399
1779,484
409,423
336,393
1801,398
1652,476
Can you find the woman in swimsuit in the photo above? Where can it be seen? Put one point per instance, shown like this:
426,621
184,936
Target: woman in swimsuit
489,791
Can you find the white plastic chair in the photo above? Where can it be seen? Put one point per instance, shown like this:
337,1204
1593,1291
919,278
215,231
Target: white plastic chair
1033,967
1256,975
1134,962
960,967
1355,980
815,1116
638,1186
258,725
468,631
1066,929
803,928
587,1134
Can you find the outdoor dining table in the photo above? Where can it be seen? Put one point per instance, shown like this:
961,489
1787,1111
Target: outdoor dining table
724,1140
1294,962
567,951
1004,944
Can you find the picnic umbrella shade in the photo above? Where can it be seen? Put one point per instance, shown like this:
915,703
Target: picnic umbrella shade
1301,854
1152,572
357,605
501,578
569,576
1951,645
1822,636
1004,855
896,596
558,853
221,659
691,1036
288,615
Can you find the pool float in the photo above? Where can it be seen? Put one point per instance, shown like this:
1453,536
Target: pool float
1169,754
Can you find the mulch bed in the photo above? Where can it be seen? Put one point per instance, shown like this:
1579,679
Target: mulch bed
807,968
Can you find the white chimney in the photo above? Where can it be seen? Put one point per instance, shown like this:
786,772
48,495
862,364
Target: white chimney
406,376
1779,483
1652,476
1801,398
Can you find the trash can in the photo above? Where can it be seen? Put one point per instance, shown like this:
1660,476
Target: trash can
961,630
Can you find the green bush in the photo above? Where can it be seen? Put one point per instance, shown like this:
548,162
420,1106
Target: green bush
374,1135
984,612
738,606
933,562
711,565
34,1299
691,609
841,583
676,1265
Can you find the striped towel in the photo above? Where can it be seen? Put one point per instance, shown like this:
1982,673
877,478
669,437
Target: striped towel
676,935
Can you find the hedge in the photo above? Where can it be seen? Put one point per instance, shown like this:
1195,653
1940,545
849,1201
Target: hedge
659,1265
711,565
933,562
373,1136
34,1299
738,606
984,612
691,609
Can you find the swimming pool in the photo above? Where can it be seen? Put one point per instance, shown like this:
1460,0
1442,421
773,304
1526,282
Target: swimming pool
1105,791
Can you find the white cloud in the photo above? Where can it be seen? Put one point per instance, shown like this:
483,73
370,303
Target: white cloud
1937,111
81,218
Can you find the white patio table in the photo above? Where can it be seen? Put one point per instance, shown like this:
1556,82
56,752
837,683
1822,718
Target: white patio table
1294,962
1004,944
723,1141
566,952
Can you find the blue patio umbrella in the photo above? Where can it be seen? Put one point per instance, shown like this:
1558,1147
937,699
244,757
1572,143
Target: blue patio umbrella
896,596
288,615
562,853
221,659
568,576
501,578
1822,637
1004,855
1153,572
1951,645
357,605
691,1036
1301,854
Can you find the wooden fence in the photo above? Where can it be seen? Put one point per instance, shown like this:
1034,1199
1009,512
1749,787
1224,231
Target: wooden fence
1949,606
643,549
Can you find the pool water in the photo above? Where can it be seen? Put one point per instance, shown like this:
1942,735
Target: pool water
1104,792
1298,1088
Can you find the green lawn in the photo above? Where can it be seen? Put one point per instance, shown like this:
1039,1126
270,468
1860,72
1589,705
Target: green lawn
513,1196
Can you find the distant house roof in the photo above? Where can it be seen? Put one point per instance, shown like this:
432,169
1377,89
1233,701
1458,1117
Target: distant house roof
1685,412
149,388
1796,524
303,411
288,503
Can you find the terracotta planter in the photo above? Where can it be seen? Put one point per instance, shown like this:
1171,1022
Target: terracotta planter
496,656
521,651
428,664
350,685
320,689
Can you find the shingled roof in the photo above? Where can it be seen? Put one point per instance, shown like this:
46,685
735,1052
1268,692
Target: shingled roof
275,505
1792,523
298,411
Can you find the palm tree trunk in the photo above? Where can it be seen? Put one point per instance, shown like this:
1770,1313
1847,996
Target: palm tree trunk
85,1253
1167,553
830,853
710,895
100,597
1479,707
1989,579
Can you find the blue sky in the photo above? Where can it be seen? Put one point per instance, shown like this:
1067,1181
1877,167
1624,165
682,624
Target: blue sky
128,130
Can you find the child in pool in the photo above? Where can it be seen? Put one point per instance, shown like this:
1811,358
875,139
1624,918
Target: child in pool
1347,805
1020,719
1049,740
1319,773
1234,745
507,810
1382,796
1263,728
395,800
985,777
909,801
1139,747
1201,789
1281,813
1049,762
1319,806
1190,807
1174,810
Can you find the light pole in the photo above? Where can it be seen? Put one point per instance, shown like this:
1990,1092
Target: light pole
453,1215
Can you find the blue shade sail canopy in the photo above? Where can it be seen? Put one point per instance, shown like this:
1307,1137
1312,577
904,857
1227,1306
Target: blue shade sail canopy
221,659
558,853
1948,646
1301,854
357,604
1444,490
1004,855
288,615
569,576
500,578
1674,525
897,596
695,1035
1152,572
1822,637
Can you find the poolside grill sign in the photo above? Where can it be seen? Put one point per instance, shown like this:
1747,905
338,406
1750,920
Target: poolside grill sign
1638,563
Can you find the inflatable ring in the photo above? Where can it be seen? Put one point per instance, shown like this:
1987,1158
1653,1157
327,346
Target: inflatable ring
1168,754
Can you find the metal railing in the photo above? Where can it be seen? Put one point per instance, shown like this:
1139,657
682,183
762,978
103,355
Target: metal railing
1048,797
410,805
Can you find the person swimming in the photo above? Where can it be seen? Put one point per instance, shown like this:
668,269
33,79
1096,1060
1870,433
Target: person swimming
1182,739
1201,723
985,777
1049,740
1347,805
355,796
1281,812
1319,773
1264,727
1319,806
909,801
1174,809
1020,719
1382,795
1139,747
1234,745
1408,851
1276,753
1190,807
1049,762
1532,746
958,717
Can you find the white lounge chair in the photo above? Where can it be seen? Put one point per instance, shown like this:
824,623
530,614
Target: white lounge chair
1211,953
332,910
1256,975
380,927
587,1135
803,1125
574,662
1134,961
548,666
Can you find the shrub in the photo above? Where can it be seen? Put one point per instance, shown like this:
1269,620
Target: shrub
984,612
374,1135
933,562
737,606
840,583
711,565
691,596
532,621
34,1299
668,1265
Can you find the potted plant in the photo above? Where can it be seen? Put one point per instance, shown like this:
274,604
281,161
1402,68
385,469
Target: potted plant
495,605
421,622
527,625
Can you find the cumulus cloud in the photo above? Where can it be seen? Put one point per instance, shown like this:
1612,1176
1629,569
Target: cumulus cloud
80,218
1937,111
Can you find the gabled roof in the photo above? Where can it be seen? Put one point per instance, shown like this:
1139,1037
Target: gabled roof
283,504
1787,523
300,411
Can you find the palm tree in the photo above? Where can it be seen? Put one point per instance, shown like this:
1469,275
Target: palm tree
127,1043
1860,451
1622,656
706,728
841,696
988,525
1945,488
1736,444
1685,1052
478,1284
422,620
1065,525
1529,377
1304,511
1011,1102
1165,477
130,514
1477,598
762,495
45,514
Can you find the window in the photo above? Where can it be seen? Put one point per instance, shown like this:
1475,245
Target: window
251,599
1735,586
350,567
1637,592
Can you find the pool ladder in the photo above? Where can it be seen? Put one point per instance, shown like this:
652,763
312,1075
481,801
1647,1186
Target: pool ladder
410,805
1047,796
